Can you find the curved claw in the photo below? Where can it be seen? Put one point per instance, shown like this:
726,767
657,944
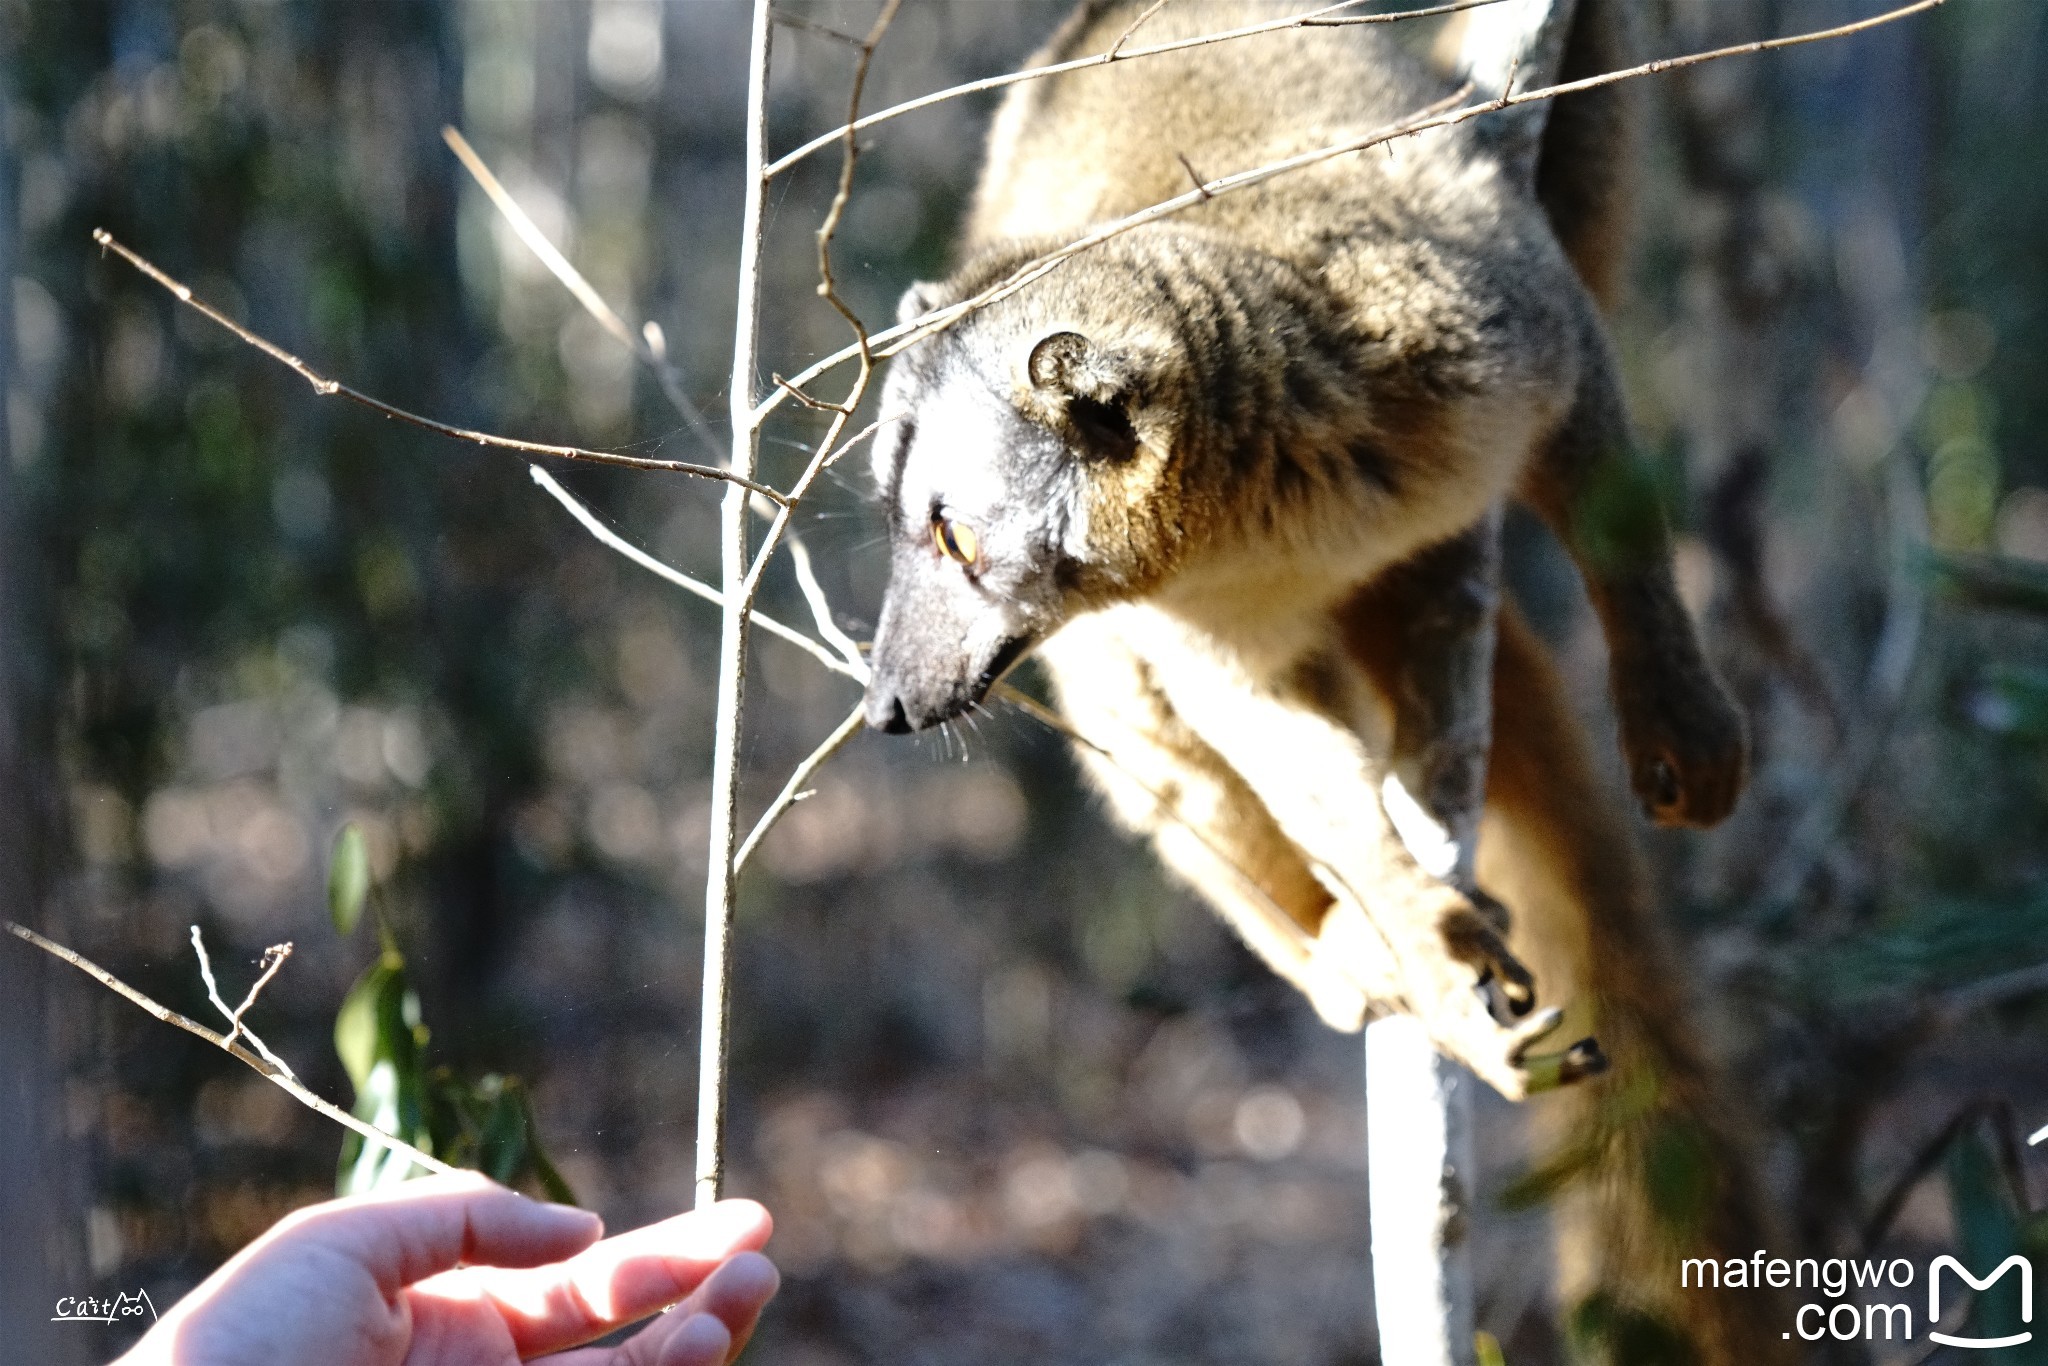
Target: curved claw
1548,1071
1533,1031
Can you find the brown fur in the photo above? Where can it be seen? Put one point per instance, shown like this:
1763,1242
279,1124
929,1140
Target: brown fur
1429,275
1213,465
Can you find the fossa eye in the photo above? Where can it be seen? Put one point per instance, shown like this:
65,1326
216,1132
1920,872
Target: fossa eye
956,541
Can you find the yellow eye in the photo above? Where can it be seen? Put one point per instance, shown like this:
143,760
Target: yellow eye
956,540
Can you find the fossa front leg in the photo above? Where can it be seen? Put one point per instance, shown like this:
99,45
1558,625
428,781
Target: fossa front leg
1162,780
1291,741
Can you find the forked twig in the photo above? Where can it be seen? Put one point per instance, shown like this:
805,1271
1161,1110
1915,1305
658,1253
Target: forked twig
273,959
821,608
648,345
651,350
1130,29
277,1073
330,388
793,791
612,540
830,447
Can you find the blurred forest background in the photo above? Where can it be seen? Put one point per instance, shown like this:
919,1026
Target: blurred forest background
1011,1095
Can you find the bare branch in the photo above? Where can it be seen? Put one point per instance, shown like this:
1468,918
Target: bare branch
329,388
277,1074
830,448
793,790
273,959
649,345
797,21
808,400
1135,24
828,288
612,540
732,640
1329,16
821,610
892,340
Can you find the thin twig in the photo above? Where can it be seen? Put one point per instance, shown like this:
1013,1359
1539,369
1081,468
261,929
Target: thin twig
649,345
831,447
652,351
892,340
1328,16
793,790
278,1074
807,400
1135,25
821,608
797,21
329,388
732,638
273,959
614,541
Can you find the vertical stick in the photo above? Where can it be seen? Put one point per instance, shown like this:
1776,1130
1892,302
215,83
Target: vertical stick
1418,1127
732,642
1419,1104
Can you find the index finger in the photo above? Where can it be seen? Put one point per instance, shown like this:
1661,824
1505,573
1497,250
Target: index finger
610,1284
412,1231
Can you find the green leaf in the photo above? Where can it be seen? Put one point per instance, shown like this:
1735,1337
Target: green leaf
348,878
380,1039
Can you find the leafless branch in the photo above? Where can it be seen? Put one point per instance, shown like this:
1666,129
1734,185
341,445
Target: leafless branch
1329,16
732,638
821,609
1135,25
892,340
612,540
793,791
276,1072
652,351
650,345
329,388
273,959
797,21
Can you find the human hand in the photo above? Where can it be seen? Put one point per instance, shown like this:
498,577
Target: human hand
458,1271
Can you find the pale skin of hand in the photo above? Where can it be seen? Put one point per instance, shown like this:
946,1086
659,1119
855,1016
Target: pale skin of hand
458,1271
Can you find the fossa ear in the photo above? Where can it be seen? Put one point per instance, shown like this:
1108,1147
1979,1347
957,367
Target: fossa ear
1096,387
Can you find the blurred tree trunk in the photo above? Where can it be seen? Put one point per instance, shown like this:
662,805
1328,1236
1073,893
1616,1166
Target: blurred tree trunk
40,1255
